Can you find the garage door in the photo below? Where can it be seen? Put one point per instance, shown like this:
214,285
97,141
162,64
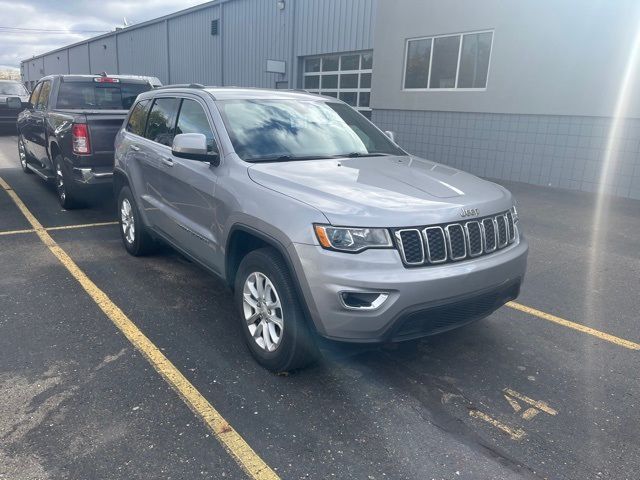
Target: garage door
344,76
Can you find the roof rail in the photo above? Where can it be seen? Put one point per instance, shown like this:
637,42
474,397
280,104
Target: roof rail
183,85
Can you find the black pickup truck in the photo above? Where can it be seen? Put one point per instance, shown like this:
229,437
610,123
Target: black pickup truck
66,133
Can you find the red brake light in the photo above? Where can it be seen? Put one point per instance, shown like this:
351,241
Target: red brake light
106,80
80,139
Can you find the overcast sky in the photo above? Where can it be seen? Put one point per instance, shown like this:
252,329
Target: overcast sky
70,16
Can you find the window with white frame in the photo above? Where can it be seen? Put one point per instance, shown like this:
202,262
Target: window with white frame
448,62
344,76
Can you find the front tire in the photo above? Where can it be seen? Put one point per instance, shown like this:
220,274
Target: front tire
135,237
23,155
271,317
66,197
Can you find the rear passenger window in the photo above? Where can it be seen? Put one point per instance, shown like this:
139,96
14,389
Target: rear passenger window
138,118
162,119
193,119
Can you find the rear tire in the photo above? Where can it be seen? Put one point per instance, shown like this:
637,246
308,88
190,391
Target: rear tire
270,315
23,156
135,237
67,198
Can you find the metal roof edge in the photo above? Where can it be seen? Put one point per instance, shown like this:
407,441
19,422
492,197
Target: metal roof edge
164,18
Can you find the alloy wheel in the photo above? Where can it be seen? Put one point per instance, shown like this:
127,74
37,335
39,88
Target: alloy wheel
263,311
127,221
22,154
60,187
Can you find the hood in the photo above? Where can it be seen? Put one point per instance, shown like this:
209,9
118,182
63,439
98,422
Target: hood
392,191
23,98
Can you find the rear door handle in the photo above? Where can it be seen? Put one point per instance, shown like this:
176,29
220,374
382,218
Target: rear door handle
167,161
135,148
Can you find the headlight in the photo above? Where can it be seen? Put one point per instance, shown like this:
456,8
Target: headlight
514,213
353,240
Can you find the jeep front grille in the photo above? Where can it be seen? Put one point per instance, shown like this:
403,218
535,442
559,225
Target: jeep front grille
453,242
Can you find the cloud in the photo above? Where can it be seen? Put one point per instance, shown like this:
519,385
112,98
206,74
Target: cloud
98,15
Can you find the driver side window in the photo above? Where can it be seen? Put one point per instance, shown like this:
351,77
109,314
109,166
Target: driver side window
193,119
34,95
161,121
43,98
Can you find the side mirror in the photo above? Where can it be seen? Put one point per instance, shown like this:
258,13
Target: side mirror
391,135
14,103
193,146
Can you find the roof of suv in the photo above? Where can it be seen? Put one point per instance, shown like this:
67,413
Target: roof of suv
135,78
240,93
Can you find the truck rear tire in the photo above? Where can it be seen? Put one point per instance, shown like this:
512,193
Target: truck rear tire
271,318
134,234
66,196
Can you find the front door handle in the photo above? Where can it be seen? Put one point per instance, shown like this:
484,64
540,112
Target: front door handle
167,161
135,148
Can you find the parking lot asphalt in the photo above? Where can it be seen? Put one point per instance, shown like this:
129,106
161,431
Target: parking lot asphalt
512,396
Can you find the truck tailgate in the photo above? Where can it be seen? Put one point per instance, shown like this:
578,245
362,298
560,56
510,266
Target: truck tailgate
103,128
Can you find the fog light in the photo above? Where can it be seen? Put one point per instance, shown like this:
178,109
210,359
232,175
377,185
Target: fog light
363,300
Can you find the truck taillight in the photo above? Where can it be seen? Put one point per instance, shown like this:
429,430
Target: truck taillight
80,139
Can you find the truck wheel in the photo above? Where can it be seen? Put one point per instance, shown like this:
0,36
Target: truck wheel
271,317
23,156
66,196
134,234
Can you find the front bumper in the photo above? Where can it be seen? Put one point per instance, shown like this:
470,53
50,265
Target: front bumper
421,301
8,119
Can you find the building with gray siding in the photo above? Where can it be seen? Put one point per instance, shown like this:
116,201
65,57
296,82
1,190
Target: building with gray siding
531,91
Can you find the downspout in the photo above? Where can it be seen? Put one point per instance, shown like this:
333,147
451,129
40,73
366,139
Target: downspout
166,30
293,67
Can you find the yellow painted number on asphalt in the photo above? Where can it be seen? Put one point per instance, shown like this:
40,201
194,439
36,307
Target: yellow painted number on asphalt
514,398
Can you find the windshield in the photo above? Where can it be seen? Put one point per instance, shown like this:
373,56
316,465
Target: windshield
13,89
282,130
99,96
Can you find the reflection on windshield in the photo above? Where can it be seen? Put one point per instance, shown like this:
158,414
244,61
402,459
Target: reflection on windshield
13,89
281,130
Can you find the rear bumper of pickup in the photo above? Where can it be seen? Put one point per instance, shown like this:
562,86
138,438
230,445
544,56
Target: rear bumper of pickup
92,175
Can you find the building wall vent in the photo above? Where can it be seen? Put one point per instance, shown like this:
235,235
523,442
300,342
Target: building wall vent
214,27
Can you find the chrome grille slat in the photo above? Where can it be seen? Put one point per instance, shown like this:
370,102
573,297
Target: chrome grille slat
436,244
456,241
439,244
473,233
489,234
503,234
511,226
412,249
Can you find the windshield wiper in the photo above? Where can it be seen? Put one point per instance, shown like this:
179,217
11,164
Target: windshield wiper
362,154
289,158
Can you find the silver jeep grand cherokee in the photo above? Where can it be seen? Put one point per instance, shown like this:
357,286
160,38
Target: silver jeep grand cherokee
317,220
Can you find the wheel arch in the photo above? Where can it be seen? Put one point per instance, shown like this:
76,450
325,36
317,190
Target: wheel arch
120,180
243,239
54,150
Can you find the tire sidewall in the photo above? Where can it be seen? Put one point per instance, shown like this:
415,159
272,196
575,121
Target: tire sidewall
132,248
68,202
292,314
26,155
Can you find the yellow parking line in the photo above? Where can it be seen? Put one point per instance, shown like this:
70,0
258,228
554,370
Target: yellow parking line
576,326
17,232
231,440
63,227
82,225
